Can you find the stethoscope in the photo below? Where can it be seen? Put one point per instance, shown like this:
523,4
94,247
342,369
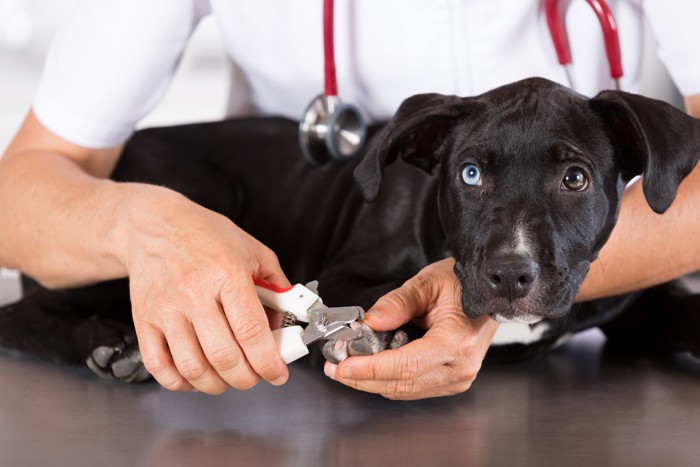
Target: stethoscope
331,130
555,11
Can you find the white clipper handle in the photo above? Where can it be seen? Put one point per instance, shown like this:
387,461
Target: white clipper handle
289,343
297,300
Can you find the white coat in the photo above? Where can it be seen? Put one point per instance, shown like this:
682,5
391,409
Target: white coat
112,61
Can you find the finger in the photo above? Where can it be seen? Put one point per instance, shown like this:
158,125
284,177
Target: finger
439,382
158,361
190,360
397,308
251,330
443,391
452,339
461,342
222,351
410,361
273,275
274,318
433,287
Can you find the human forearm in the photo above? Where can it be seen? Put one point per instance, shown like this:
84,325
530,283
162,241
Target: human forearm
196,313
59,223
646,248
692,105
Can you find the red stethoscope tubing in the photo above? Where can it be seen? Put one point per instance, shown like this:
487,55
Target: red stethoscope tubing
331,85
331,130
557,29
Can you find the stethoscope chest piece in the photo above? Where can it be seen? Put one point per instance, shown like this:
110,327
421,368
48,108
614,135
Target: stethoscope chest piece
331,130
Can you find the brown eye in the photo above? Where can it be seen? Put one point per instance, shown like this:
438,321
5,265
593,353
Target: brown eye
575,179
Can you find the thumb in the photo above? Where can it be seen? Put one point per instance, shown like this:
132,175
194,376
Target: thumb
398,307
415,298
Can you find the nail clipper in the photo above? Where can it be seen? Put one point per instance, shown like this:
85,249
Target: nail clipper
300,303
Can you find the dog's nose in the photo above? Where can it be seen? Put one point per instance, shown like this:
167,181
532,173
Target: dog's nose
511,277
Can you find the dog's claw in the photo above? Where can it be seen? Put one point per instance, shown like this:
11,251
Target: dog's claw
400,338
335,351
103,354
370,343
118,362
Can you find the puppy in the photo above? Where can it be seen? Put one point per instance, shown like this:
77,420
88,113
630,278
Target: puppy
521,185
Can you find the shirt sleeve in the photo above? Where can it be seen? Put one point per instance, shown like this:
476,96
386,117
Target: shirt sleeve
110,64
675,26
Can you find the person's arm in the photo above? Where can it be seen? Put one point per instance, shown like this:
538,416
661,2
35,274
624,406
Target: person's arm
646,248
51,191
197,316
692,105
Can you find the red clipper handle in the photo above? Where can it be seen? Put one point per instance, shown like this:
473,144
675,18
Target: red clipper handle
272,287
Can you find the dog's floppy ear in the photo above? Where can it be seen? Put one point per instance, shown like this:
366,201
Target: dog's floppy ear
652,138
416,133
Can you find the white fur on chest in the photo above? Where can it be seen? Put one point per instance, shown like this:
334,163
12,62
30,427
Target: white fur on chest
519,333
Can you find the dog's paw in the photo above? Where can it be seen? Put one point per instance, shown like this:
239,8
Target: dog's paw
122,362
369,343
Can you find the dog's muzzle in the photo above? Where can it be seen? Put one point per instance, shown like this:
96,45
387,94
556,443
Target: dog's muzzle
511,277
506,287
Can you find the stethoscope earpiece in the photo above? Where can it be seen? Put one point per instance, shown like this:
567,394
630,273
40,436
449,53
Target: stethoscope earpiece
331,130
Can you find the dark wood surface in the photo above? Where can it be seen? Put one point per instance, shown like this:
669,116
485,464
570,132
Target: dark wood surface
580,405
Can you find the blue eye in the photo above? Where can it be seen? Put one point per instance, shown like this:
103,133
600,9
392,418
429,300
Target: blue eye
471,175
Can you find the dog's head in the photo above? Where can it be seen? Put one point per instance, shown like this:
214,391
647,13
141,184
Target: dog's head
530,180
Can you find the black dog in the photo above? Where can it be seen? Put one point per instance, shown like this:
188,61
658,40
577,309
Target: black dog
521,185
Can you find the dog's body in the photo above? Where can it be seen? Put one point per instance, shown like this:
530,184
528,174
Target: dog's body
521,237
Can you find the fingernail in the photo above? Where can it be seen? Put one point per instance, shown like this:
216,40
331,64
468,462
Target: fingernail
346,372
372,315
279,381
329,369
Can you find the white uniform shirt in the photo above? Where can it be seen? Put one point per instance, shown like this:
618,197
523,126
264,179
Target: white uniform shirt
113,60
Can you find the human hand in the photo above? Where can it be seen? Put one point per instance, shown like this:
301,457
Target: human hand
198,319
445,361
